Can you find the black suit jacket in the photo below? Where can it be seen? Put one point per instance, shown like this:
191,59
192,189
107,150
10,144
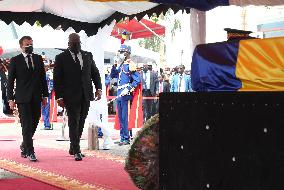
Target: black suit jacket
70,82
153,79
3,84
166,87
28,84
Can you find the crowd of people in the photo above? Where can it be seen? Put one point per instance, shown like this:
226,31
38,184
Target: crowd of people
154,82
4,65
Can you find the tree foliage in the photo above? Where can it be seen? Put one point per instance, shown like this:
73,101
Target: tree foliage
154,43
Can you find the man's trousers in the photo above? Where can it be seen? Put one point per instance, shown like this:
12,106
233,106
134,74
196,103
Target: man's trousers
77,113
29,116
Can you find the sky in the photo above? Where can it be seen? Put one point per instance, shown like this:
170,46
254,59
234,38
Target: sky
239,18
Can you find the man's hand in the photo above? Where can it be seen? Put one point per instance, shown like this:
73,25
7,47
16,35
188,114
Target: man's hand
44,101
98,94
60,102
12,104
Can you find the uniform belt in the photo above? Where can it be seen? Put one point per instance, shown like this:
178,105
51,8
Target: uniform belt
122,86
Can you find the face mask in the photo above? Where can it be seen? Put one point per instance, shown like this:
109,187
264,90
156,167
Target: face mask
75,47
115,59
122,56
145,69
29,49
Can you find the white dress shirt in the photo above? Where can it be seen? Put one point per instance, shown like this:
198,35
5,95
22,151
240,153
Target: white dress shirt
79,55
182,82
161,87
26,59
146,77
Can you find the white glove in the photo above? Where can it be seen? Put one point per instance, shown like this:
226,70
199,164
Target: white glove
124,92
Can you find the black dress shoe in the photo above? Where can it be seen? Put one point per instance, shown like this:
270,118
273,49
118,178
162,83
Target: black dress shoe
124,143
78,157
32,157
22,147
71,152
23,154
47,128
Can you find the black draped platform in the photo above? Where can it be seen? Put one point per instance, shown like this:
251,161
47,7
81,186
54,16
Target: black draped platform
222,141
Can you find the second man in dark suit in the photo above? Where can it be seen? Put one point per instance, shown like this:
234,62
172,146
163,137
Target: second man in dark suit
74,72
27,69
149,79
160,87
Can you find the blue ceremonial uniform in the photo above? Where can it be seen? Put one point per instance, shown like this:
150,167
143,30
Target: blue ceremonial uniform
128,78
46,109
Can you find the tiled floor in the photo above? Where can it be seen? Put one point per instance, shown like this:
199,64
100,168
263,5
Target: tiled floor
49,137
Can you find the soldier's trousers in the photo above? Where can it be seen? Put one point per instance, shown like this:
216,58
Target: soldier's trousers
123,106
46,113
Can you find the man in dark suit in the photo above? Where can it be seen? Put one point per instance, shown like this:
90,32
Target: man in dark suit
74,72
149,79
27,69
161,86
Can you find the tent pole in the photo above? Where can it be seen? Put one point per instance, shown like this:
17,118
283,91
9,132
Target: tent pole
151,31
14,31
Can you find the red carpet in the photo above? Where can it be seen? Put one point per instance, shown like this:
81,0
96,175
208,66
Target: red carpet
56,167
25,184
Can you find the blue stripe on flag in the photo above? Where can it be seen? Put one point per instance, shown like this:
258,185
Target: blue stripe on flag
214,66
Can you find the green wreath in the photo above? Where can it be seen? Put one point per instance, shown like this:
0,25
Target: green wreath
142,162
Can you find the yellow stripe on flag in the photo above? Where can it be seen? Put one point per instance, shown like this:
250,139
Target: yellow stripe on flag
260,64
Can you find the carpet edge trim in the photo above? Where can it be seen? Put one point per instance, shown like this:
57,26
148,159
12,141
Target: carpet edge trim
47,177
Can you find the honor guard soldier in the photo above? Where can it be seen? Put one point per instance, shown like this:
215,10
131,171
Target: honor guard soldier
46,108
128,79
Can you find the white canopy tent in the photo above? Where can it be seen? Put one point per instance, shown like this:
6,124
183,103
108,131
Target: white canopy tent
96,17
78,14
78,10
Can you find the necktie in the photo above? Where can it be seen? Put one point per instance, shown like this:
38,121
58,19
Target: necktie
30,62
180,79
77,60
